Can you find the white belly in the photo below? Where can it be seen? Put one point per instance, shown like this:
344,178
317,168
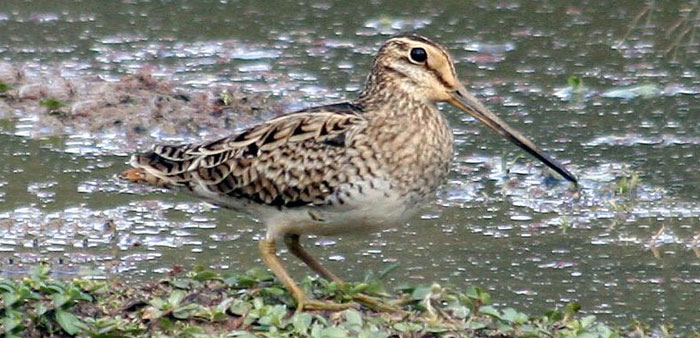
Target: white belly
309,220
369,208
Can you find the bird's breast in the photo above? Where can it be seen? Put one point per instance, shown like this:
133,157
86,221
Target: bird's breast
416,153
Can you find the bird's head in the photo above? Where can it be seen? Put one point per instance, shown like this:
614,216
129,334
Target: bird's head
423,69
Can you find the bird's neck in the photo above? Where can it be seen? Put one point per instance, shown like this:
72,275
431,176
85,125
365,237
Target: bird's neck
410,135
386,93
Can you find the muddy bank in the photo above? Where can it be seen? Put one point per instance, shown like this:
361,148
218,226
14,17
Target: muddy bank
139,108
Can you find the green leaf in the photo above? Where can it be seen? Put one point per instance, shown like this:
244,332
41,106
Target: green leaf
459,311
334,332
259,275
420,292
587,321
374,288
55,287
554,315
4,87
193,331
476,325
513,316
157,303
490,311
84,297
273,291
503,327
353,319
166,324
225,304
243,334
387,270
51,104
185,312
9,299
206,275
11,321
357,288
179,283
60,300
69,322
274,316
478,294
7,286
473,292
176,297
529,330
436,329
41,272
571,309
407,327
91,286
468,302
575,82
301,323
240,308
587,335
316,331
258,303
41,309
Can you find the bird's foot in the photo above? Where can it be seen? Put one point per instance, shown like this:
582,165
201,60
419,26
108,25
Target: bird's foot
317,305
376,304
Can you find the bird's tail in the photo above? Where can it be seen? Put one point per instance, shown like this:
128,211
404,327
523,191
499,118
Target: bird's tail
139,175
165,166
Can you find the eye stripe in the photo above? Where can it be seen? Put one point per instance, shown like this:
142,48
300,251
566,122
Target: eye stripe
439,77
427,41
426,65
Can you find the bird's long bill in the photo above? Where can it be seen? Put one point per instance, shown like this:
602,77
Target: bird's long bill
470,104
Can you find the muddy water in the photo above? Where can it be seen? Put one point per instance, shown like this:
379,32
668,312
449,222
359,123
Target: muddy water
623,252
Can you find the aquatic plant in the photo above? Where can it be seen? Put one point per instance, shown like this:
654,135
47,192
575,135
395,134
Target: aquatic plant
52,106
682,33
252,304
4,87
627,184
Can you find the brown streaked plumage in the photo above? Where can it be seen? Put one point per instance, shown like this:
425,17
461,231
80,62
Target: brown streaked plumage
336,168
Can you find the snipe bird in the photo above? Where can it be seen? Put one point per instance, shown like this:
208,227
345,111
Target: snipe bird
344,167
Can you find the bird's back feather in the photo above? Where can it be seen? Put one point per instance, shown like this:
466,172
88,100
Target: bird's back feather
288,161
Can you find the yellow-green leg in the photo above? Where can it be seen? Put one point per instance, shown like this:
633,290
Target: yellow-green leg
268,251
294,246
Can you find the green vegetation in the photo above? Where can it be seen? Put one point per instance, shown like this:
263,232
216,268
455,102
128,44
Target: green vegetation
564,224
4,87
575,83
226,98
681,35
203,303
52,106
627,184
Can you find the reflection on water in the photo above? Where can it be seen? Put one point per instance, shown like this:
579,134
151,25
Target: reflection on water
500,222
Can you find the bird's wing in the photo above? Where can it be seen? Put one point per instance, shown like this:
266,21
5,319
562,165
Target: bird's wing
291,160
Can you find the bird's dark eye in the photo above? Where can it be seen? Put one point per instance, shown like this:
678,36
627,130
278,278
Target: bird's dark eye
418,55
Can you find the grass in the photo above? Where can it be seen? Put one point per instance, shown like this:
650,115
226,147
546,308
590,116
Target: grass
4,87
204,303
53,106
682,34
627,185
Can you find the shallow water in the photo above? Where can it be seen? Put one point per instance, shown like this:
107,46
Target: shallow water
498,223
